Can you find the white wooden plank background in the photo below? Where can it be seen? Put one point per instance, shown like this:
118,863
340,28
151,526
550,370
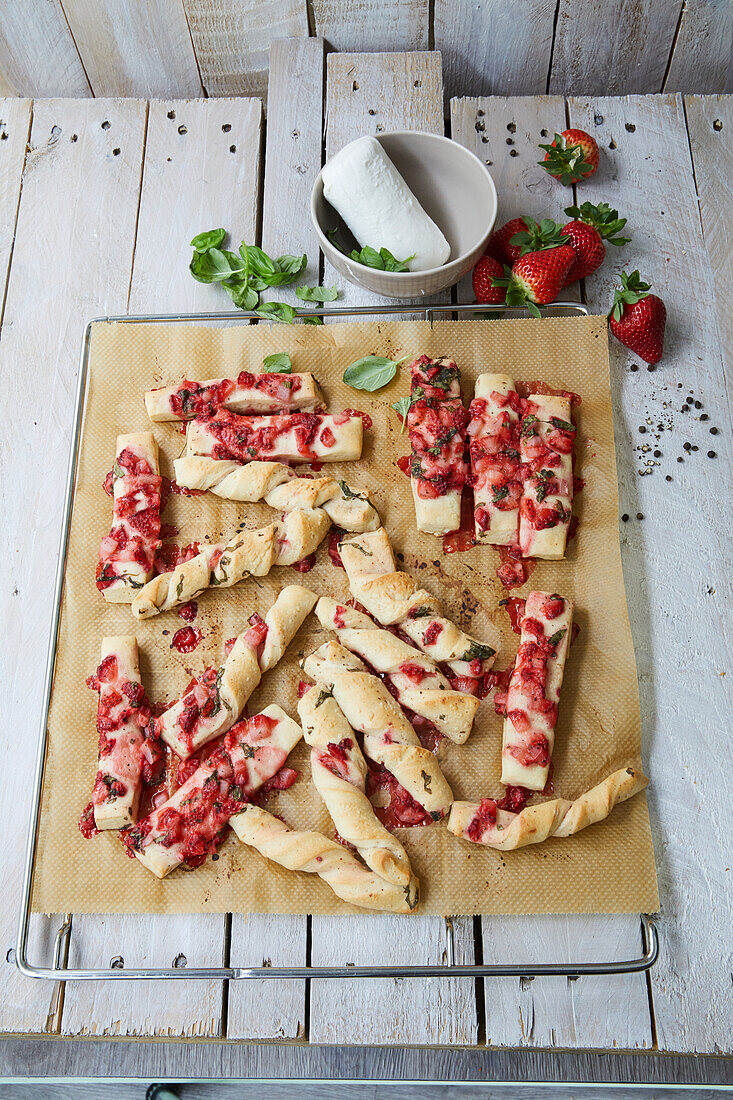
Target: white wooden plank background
37,52
371,26
90,234
702,60
690,987
490,47
134,47
189,177
505,134
678,588
232,37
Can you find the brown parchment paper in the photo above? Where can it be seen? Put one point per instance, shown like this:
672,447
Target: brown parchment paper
607,868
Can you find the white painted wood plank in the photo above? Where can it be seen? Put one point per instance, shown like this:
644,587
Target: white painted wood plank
710,128
505,133
702,60
135,47
366,93
606,47
491,47
189,178
37,52
267,1009
373,94
81,238
202,169
232,37
15,123
391,1010
678,590
603,1013
371,25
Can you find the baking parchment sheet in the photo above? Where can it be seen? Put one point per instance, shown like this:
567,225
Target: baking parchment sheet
607,868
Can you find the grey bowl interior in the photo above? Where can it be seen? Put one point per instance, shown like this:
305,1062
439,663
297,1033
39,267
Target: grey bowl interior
449,182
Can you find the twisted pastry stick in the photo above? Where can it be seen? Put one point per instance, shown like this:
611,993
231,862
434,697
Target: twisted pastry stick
388,736
215,702
299,437
247,553
339,770
483,823
316,854
419,683
280,487
127,553
252,752
248,393
394,597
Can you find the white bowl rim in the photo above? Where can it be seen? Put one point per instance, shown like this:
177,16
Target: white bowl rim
399,276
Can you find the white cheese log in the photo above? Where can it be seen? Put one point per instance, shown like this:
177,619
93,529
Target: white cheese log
363,185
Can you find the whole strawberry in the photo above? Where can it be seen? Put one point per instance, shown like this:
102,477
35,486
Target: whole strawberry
572,157
485,271
586,232
522,235
637,318
538,277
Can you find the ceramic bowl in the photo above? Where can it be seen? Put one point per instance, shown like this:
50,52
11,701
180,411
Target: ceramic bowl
455,189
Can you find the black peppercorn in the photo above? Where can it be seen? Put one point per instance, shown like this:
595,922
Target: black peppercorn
657,454
625,517
668,477
639,515
711,454
698,404
685,408
704,416
713,431
680,458
633,367
642,429
687,446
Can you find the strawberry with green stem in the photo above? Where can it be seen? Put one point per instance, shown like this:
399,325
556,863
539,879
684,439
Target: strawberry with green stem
572,157
521,235
537,278
590,226
637,318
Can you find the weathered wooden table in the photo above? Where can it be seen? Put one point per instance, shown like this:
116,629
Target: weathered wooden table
101,198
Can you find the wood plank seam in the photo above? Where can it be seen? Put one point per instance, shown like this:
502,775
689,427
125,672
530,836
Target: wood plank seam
15,218
139,200
673,47
552,50
78,51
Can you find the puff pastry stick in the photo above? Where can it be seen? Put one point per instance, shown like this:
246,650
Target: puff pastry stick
122,717
388,736
419,684
534,690
483,823
313,853
493,434
280,487
547,437
127,553
297,437
437,423
395,598
339,770
246,554
248,393
215,701
191,824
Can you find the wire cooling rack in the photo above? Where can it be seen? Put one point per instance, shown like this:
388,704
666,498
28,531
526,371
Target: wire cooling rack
448,968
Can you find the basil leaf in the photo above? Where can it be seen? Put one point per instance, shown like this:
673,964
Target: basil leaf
210,267
316,293
371,372
279,363
402,406
561,425
212,238
556,638
276,311
291,265
311,319
369,257
242,295
500,492
391,264
383,259
477,651
257,260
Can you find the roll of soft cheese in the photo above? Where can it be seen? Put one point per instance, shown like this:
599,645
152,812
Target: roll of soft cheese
363,185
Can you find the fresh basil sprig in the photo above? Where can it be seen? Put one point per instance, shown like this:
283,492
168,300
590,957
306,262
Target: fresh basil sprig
371,372
402,406
316,293
245,274
276,311
278,363
381,259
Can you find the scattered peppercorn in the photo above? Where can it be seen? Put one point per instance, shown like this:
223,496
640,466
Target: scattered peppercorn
634,367
639,515
680,458
704,416
657,454
711,454
642,429
713,431
694,447
687,446
668,477
698,404
651,367
685,408
625,517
